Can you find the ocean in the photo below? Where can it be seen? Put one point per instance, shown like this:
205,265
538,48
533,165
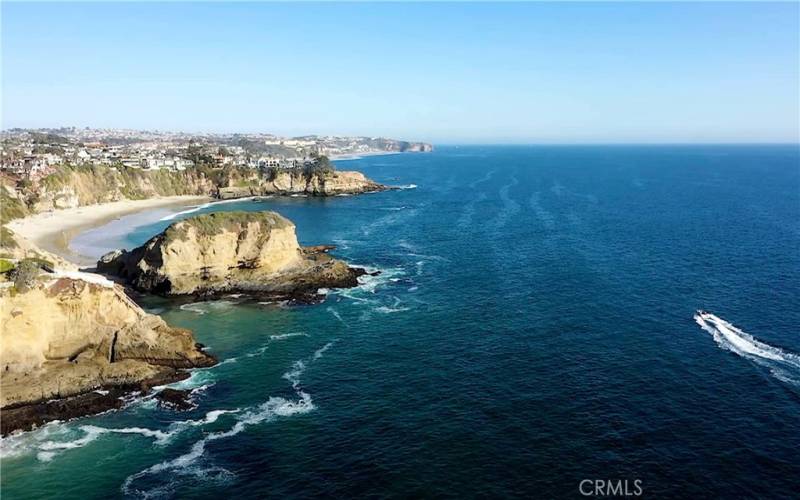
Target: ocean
533,327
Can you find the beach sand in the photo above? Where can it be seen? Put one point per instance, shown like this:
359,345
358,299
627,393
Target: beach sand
52,231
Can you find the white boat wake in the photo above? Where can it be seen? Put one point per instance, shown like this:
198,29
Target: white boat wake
785,366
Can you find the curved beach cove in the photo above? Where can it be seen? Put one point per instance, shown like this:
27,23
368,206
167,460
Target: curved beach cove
534,324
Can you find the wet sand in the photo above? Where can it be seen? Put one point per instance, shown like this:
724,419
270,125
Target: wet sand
52,231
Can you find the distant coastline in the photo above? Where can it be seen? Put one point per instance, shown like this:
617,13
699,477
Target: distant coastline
358,156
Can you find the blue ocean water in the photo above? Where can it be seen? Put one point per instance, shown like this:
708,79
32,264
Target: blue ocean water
532,327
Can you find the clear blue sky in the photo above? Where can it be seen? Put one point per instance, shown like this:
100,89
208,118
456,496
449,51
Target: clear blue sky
447,73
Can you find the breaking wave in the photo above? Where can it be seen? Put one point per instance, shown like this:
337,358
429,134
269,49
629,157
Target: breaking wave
390,310
191,463
197,208
206,307
783,365
283,336
45,442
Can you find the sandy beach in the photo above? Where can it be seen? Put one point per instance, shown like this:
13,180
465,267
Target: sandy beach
52,231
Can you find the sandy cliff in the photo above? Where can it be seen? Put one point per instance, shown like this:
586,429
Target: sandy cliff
75,333
225,252
71,187
287,182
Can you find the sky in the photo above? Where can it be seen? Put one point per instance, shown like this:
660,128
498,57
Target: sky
443,72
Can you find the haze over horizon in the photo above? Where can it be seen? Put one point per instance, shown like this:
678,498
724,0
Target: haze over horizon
441,73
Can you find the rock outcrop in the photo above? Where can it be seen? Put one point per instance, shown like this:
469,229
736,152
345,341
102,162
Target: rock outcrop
231,252
14,247
289,182
74,343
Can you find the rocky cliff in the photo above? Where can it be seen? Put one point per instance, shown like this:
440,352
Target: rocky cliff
226,252
74,343
71,187
384,144
288,182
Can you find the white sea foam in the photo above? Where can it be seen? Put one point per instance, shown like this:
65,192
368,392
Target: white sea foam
423,256
198,378
228,361
207,306
24,443
48,450
370,283
283,336
193,209
336,314
321,351
189,464
274,338
342,244
197,208
390,310
408,186
784,365
42,442
193,307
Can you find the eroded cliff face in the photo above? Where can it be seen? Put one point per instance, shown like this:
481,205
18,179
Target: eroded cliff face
75,333
70,188
224,252
81,186
287,182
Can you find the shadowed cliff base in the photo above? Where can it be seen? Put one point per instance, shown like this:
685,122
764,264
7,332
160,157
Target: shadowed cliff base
73,343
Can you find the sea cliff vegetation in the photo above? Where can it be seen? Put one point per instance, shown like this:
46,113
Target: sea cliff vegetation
72,186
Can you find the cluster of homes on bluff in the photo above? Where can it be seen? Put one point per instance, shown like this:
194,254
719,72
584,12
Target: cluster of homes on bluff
34,153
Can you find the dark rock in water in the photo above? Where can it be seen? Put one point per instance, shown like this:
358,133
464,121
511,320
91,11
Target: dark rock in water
29,416
175,399
112,262
319,249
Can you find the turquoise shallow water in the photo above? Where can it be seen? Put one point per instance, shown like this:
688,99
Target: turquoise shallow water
532,327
